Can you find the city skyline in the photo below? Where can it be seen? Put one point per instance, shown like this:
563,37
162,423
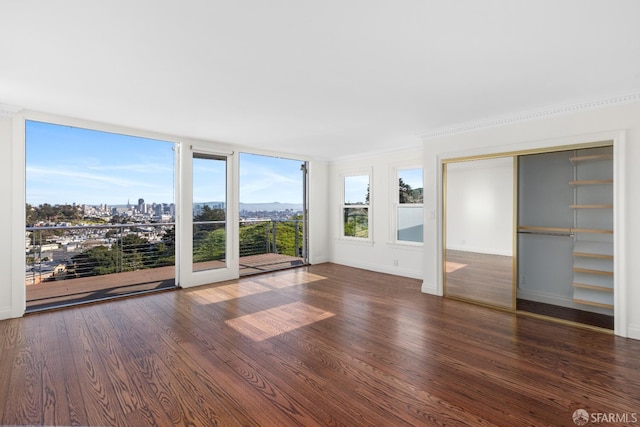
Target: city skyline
67,165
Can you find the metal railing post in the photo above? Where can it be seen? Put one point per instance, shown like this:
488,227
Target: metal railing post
121,250
267,235
275,246
297,240
40,258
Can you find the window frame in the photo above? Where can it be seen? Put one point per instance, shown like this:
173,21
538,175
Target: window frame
396,205
344,205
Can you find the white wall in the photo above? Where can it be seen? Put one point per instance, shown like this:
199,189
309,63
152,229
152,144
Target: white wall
480,206
591,125
6,294
319,247
381,254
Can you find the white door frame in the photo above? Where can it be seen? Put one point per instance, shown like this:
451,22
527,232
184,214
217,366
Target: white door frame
184,221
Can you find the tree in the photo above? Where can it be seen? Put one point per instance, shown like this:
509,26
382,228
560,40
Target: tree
209,214
211,246
49,213
408,194
95,261
135,252
254,238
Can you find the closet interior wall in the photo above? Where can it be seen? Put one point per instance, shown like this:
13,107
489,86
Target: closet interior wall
565,229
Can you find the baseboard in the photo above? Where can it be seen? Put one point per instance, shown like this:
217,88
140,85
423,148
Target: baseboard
319,260
480,250
6,313
396,271
633,331
429,288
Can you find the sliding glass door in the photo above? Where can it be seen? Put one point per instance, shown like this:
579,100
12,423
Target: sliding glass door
273,211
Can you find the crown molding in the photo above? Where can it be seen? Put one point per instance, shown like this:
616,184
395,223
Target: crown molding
9,110
531,115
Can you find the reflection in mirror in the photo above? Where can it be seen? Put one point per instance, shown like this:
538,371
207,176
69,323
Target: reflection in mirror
479,240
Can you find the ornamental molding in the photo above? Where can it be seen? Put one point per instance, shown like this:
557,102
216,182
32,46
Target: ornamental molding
8,110
532,115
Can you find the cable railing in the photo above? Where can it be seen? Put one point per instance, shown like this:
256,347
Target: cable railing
75,251
69,252
283,237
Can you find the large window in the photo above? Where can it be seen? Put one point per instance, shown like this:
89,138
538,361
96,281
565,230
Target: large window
100,214
355,207
409,207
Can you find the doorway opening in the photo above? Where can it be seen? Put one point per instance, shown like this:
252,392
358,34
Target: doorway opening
273,213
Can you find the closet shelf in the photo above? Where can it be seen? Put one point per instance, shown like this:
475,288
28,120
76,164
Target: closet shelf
592,255
593,262
592,271
545,229
591,182
591,230
591,206
566,230
591,158
593,303
592,287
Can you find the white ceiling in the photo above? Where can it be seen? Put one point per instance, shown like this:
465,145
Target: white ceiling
323,78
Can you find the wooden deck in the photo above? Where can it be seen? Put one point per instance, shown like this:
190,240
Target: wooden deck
268,262
66,292
324,345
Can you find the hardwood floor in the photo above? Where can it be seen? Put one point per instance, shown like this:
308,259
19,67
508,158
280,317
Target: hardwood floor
463,273
320,345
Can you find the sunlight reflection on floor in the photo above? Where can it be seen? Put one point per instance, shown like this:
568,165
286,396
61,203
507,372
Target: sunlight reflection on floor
252,285
453,266
278,320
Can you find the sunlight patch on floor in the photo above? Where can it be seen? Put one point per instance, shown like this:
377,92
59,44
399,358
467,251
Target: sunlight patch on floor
209,294
278,320
453,266
292,278
250,286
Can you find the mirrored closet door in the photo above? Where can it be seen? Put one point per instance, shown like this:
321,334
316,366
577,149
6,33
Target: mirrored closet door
479,233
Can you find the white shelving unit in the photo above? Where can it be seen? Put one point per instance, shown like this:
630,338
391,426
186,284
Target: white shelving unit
593,228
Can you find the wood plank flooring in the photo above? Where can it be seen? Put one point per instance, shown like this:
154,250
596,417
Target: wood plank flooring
324,345
463,273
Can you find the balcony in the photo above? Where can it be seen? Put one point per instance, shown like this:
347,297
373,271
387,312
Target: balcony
71,264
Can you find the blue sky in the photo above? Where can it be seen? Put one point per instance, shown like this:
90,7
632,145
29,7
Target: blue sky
355,187
413,177
74,165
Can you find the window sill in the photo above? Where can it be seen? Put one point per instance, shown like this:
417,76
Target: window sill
355,241
409,246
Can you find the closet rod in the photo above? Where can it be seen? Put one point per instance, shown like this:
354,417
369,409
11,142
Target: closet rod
541,233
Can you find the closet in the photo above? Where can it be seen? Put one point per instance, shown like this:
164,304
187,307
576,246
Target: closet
560,262
565,235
